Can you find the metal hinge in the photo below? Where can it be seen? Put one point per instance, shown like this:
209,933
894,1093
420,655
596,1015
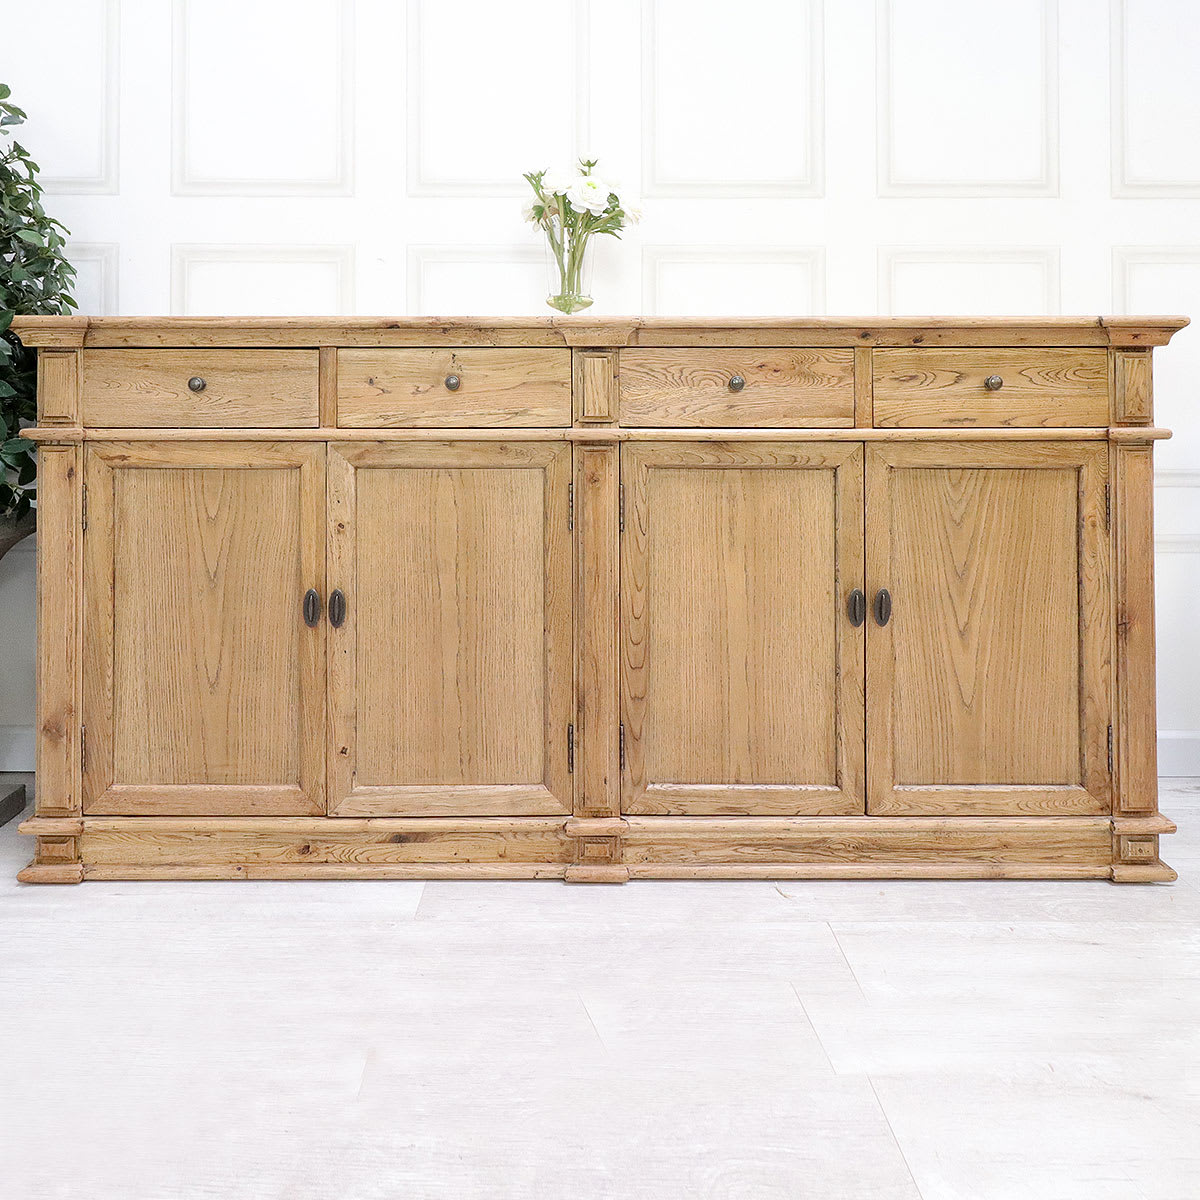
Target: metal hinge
85,506
621,742
83,747
1108,506
1110,749
570,506
570,749
621,507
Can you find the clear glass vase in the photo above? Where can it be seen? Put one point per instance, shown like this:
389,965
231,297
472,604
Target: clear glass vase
569,266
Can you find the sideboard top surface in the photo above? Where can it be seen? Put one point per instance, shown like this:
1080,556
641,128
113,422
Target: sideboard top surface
1128,332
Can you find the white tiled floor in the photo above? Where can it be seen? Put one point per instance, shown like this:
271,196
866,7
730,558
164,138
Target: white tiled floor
949,1041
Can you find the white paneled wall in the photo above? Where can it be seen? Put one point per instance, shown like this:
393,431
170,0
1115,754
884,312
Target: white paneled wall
794,156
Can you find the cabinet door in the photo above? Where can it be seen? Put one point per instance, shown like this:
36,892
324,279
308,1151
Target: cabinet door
451,676
203,686
988,687
742,674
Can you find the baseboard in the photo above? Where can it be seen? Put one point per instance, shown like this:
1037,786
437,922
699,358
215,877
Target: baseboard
1179,753
16,748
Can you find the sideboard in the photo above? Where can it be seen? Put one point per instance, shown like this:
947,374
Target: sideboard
595,599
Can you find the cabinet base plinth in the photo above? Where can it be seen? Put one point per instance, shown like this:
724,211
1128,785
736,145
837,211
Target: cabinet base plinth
596,873
1155,872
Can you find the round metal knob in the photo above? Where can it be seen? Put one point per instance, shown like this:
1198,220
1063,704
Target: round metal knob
452,383
993,383
196,384
736,383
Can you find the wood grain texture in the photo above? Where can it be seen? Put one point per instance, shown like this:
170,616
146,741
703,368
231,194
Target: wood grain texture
597,609
203,689
452,675
58,387
529,387
68,332
596,379
864,387
250,388
1133,536
59,628
988,689
1133,400
1041,387
327,387
742,677
782,387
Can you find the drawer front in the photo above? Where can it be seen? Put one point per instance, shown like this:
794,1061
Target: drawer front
247,389
918,388
701,387
461,388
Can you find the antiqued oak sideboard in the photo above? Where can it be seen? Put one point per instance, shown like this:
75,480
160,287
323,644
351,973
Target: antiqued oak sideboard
595,599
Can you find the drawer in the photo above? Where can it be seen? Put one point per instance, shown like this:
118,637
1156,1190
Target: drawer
720,387
454,388
247,389
991,387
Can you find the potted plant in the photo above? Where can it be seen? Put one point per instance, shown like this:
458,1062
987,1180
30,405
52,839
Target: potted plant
35,277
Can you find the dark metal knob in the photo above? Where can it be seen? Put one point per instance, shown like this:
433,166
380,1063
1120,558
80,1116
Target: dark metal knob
337,607
993,383
736,383
196,384
453,383
856,607
312,608
883,606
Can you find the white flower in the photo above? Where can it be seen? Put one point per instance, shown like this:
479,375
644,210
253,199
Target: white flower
527,213
588,194
633,214
557,183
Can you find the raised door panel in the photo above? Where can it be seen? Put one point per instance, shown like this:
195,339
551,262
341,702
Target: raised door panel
742,675
451,675
988,689
203,684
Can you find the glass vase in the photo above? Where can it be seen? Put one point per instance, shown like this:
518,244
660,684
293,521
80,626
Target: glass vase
569,265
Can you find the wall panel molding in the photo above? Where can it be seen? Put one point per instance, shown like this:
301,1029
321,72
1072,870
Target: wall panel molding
1044,259
104,257
811,183
891,183
184,257
186,182
656,258
422,258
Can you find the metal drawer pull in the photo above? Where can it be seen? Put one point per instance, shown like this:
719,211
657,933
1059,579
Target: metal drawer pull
736,383
196,384
312,608
856,607
452,383
337,608
993,383
883,606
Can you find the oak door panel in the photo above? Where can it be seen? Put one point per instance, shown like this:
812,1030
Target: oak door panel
204,689
742,676
451,676
988,689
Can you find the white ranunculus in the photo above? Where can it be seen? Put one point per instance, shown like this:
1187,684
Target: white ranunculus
588,194
527,213
557,183
633,214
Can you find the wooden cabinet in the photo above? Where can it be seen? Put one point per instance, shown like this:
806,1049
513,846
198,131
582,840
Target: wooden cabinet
451,671
593,598
742,676
203,688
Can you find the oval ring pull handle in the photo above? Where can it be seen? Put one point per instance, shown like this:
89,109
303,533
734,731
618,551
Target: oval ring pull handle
856,607
993,383
453,382
883,606
197,384
312,608
737,383
337,607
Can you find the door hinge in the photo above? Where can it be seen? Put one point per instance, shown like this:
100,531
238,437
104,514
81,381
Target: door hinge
1110,749
570,506
621,507
85,507
82,748
1108,506
621,742
570,749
